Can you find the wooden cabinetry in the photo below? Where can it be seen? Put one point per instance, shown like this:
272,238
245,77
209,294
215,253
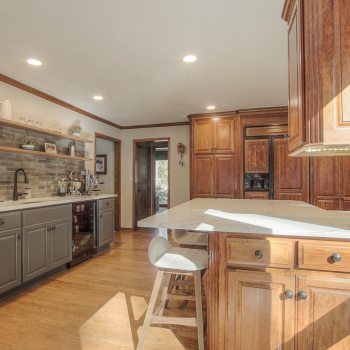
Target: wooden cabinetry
256,195
256,156
319,75
291,174
261,298
260,316
330,182
215,143
213,135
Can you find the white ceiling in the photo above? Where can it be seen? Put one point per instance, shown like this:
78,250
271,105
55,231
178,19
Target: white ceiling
130,51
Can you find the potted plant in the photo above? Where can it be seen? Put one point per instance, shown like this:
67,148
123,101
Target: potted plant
75,130
28,143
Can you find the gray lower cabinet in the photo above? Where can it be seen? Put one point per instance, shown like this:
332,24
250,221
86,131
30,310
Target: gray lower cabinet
47,240
10,259
105,221
36,243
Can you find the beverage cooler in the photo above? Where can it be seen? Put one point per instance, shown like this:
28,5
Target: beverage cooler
83,231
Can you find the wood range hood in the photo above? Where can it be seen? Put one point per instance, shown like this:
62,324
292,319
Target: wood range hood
319,77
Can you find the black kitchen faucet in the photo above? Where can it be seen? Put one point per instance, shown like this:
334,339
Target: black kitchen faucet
26,180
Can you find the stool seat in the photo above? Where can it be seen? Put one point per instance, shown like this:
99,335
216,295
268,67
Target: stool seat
182,259
193,238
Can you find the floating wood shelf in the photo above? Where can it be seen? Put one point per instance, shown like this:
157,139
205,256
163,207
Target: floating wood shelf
38,153
37,130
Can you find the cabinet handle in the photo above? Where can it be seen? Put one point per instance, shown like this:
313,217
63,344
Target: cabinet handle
302,295
336,257
259,254
2,221
19,236
53,228
288,294
49,228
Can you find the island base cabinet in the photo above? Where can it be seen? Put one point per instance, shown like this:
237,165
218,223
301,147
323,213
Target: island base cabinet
35,250
106,227
323,318
10,259
260,313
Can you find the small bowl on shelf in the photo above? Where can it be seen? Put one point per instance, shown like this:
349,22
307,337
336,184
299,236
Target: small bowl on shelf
28,147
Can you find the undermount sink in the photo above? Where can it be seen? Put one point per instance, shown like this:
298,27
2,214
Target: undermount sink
32,202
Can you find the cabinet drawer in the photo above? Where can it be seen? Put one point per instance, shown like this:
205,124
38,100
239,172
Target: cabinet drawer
10,220
104,204
260,252
329,256
39,215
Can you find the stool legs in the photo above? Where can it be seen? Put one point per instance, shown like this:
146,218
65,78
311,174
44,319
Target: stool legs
151,305
199,310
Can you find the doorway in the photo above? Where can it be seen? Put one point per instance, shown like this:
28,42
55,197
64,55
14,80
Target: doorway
108,149
151,177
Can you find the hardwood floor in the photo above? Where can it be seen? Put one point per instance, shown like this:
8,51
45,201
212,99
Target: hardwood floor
97,305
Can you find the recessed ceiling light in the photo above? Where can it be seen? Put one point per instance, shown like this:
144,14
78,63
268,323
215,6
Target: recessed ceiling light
34,62
98,98
211,107
190,58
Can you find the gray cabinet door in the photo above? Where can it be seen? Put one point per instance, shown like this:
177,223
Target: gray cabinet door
105,227
36,253
10,259
61,242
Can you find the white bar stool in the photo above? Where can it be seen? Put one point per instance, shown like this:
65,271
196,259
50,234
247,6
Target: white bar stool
173,260
190,238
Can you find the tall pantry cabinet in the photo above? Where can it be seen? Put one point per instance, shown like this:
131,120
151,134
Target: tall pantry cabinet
215,157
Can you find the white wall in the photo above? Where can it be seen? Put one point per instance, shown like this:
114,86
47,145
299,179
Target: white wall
179,176
29,106
107,147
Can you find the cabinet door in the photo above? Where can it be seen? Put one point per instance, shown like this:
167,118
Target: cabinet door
296,122
10,259
256,156
224,135
203,136
105,227
325,182
291,174
345,182
203,176
224,176
260,316
36,252
61,242
323,318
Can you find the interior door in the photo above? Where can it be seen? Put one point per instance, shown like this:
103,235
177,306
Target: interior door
345,182
143,181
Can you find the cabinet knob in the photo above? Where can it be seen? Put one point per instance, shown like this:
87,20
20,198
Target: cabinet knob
288,294
19,236
259,254
335,257
49,228
53,228
302,295
2,221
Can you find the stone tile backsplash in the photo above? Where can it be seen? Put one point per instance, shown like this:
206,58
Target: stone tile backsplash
42,171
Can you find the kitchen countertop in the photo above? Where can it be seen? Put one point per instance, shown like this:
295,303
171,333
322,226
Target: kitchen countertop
48,201
265,217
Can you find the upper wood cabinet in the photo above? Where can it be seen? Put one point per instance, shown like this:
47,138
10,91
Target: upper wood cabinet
291,180
330,182
213,135
319,76
256,156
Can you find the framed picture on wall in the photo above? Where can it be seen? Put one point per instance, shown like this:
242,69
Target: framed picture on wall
50,148
101,164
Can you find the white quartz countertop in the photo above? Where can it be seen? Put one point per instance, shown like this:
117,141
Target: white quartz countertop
267,217
48,201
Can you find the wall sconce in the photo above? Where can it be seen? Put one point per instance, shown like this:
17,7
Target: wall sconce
181,150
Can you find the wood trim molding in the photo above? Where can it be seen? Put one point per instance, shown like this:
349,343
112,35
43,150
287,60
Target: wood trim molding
7,80
160,125
287,9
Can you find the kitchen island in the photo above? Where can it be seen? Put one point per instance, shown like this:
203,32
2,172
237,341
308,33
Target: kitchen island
279,272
